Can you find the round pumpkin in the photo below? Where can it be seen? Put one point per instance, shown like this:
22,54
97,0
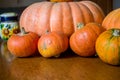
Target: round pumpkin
108,46
82,42
23,44
61,17
112,20
52,44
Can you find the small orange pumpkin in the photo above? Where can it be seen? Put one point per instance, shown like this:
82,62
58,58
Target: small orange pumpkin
108,46
23,44
52,44
82,42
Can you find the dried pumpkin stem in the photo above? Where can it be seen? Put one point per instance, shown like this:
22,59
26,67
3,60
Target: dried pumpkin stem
58,55
116,32
80,25
23,31
47,31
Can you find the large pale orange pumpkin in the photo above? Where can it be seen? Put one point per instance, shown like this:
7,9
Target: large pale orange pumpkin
62,16
108,46
82,42
112,20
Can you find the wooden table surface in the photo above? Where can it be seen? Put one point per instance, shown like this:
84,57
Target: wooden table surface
67,67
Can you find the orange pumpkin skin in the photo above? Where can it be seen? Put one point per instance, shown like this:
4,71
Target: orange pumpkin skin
23,45
61,17
112,20
108,46
52,44
82,42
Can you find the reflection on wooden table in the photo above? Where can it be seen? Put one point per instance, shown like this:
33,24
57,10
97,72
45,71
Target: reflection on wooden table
67,67
5,52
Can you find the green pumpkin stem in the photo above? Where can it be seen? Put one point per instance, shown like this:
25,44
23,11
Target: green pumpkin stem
58,55
116,32
23,31
80,25
47,31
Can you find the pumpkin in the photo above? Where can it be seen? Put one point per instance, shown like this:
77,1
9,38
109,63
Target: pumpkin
52,44
23,44
61,17
112,20
82,42
108,46
60,0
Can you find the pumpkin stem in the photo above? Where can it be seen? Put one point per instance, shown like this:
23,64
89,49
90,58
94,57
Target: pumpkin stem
116,32
23,31
57,55
80,25
47,31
